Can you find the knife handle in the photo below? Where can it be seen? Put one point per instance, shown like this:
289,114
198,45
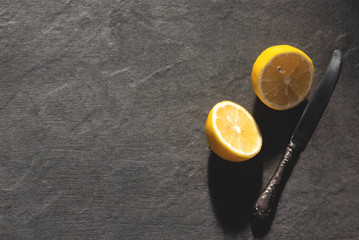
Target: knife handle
268,200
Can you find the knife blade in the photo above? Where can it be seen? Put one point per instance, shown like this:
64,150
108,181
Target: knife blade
315,108
267,202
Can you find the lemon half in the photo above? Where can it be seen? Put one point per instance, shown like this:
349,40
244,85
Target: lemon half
282,77
232,132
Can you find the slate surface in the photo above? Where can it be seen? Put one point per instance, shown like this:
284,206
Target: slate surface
103,107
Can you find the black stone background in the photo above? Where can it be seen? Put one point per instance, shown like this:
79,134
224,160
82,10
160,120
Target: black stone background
103,107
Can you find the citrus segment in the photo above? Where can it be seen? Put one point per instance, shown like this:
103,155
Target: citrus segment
282,77
232,133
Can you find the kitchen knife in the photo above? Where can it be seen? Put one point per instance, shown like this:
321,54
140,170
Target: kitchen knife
268,200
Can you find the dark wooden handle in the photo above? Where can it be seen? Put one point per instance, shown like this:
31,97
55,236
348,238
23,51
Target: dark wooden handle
268,200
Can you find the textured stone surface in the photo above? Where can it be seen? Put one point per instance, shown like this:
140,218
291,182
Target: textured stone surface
102,113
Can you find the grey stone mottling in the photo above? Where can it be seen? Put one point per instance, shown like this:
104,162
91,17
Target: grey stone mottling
103,107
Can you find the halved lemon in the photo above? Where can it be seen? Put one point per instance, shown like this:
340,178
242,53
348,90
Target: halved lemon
282,77
232,132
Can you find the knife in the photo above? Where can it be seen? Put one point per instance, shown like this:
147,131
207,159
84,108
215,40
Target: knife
268,200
